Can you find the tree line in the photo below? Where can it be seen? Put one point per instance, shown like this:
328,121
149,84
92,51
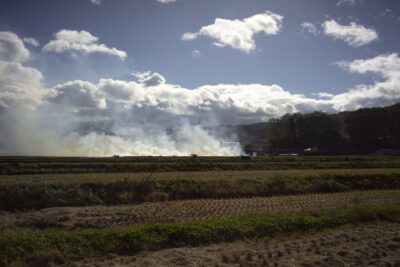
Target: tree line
363,130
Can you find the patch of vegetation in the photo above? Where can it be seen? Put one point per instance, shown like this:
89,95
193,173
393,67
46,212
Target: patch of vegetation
57,246
44,165
36,196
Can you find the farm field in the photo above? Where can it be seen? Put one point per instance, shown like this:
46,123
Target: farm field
363,245
81,178
188,210
59,165
120,211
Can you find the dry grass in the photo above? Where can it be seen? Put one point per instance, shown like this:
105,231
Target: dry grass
189,210
376,245
80,178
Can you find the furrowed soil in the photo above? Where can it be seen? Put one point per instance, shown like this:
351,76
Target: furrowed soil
187,210
362,245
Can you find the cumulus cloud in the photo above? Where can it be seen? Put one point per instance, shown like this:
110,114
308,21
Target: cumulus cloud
18,83
150,116
80,41
149,78
354,35
309,28
12,48
79,94
239,34
166,1
31,41
386,92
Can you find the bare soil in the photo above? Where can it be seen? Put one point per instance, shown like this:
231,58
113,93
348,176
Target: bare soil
363,245
185,211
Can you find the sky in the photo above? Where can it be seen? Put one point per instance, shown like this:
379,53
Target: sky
74,74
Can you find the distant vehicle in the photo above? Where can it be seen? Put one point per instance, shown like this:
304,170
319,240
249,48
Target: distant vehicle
245,157
289,154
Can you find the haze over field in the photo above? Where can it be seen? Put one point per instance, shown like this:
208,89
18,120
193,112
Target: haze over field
151,77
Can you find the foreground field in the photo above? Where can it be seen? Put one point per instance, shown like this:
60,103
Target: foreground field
362,245
158,211
188,210
41,248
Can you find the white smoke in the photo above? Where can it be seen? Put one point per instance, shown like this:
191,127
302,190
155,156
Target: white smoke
150,116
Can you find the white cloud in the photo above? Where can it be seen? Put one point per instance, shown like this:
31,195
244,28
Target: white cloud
310,28
12,48
18,84
354,35
166,1
346,2
149,78
81,41
96,2
131,117
31,41
325,95
196,53
79,94
239,33
381,93
188,36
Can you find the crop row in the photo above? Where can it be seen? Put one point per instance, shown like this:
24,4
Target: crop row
36,196
13,166
190,210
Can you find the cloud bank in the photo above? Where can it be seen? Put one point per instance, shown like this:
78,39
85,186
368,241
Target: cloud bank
80,41
354,35
239,34
150,116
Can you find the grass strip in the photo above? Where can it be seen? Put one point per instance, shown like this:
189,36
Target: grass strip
37,196
42,247
26,165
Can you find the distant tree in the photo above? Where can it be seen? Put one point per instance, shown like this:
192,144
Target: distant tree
368,128
299,131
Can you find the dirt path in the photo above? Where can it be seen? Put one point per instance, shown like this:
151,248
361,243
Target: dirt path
188,210
366,245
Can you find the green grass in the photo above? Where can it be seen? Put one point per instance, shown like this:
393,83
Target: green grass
53,245
36,196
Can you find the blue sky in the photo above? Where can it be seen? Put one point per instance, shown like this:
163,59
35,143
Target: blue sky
150,32
78,73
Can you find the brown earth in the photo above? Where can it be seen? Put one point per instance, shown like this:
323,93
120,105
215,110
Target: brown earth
185,211
363,245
